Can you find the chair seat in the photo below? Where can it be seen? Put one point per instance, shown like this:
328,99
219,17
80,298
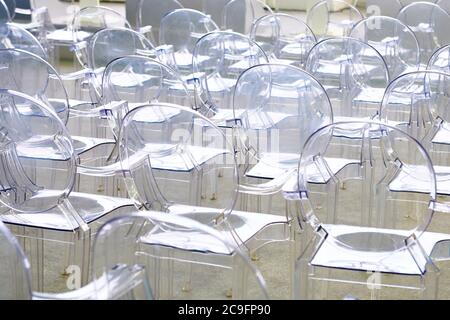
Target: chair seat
273,165
331,254
245,224
405,182
47,149
90,207
64,36
171,161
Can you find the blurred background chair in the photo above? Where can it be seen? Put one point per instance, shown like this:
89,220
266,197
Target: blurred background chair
325,18
395,41
181,29
151,12
219,58
238,15
284,38
428,21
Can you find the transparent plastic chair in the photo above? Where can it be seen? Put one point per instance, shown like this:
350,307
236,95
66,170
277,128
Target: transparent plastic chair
181,29
158,241
395,41
417,103
151,12
353,73
27,73
440,60
166,165
285,39
429,23
128,82
87,22
53,224
361,247
119,282
238,15
107,45
325,18
277,108
219,58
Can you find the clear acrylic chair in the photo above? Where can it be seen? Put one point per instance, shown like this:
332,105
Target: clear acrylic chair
27,73
107,45
166,166
429,23
276,107
119,282
395,41
326,19
440,60
128,82
353,73
417,103
160,242
53,224
181,29
219,58
284,38
239,15
151,12
359,247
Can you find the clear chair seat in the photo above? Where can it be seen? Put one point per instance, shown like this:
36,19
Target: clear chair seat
405,182
273,165
245,224
40,147
167,160
65,36
332,254
90,207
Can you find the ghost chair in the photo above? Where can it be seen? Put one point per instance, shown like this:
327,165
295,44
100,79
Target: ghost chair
395,41
128,82
52,224
157,240
417,104
284,38
277,108
361,249
429,23
325,18
151,12
165,167
227,54
353,73
238,15
179,32
118,282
